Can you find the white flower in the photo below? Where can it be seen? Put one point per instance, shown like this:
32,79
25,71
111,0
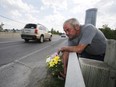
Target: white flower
48,59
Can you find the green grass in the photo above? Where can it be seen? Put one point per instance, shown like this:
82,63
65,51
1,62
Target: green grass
51,81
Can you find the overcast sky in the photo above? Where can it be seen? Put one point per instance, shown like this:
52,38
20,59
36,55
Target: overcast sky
52,13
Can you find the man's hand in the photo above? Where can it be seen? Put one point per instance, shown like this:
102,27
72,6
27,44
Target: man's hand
78,49
63,49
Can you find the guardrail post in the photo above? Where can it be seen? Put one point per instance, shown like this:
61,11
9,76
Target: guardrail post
74,76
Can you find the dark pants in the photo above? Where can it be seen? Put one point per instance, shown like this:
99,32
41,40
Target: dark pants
95,57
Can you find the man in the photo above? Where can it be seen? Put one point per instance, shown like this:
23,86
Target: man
85,40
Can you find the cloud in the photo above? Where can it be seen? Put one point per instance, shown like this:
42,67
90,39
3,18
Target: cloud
56,4
16,13
19,11
18,8
106,13
53,21
15,4
85,3
52,13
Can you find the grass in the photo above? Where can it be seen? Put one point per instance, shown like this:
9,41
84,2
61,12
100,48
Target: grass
51,81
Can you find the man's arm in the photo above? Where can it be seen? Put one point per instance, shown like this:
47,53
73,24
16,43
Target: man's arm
65,57
78,49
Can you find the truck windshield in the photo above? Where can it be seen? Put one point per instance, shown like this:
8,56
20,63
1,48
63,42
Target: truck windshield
32,26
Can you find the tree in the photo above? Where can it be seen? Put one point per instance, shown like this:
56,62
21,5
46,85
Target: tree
1,26
108,32
54,31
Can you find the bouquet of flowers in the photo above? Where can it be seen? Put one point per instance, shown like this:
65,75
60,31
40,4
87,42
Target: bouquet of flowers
54,64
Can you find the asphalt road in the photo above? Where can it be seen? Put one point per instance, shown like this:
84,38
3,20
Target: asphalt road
16,49
23,64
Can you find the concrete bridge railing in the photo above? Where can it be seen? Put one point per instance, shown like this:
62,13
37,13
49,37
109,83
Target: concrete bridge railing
94,73
74,76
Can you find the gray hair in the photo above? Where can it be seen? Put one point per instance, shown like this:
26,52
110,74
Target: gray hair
72,21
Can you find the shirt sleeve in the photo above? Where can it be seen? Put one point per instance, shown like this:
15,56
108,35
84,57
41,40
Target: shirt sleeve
88,34
70,43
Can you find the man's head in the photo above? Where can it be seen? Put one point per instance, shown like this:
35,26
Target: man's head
71,28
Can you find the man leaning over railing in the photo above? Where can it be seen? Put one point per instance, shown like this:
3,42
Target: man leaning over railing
85,40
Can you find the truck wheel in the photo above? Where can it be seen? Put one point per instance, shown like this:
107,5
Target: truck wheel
41,39
26,40
50,38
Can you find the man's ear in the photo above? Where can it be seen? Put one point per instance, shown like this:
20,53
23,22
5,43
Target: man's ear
76,27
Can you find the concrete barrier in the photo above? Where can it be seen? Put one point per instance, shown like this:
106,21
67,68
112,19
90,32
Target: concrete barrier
9,34
95,73
74,76
98,73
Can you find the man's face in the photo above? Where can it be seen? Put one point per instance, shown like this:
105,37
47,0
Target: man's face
70,31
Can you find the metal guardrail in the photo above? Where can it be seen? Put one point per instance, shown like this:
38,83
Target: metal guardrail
74,76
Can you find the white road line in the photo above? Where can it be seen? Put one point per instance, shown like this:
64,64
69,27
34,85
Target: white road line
18,60
9,64
27,55
33,52
9,47
8,41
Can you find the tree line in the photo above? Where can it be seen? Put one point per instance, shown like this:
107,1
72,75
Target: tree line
108,32
53,31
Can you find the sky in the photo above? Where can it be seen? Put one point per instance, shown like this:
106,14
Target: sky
53,13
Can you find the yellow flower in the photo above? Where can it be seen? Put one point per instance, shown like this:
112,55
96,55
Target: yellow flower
54,64
57,58
51,63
